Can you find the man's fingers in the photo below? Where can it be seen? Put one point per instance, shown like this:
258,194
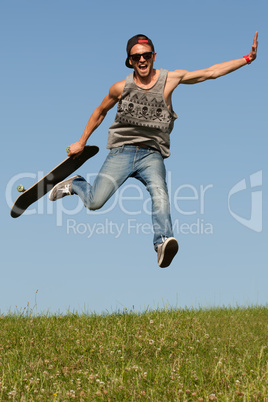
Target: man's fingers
255,41
253,52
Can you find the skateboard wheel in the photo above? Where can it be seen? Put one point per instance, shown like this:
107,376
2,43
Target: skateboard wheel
20,188
68,150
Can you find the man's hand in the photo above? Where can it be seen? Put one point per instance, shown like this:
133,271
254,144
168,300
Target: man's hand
253,53
75,149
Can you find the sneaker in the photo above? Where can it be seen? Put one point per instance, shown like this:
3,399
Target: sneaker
166,251
62,189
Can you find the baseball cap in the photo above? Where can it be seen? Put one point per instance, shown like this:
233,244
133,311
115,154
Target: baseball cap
142,39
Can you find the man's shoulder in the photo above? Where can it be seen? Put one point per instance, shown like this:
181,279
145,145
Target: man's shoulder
174,78
116,89
175,74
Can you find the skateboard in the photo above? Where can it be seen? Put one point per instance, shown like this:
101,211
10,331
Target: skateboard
43,186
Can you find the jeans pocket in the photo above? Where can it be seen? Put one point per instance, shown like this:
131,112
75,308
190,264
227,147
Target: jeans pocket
115,151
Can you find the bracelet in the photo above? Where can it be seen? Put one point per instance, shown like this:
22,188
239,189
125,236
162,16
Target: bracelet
247,59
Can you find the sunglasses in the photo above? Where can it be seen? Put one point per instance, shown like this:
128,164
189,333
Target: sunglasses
137,56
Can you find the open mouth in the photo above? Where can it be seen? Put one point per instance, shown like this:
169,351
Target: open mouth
143,67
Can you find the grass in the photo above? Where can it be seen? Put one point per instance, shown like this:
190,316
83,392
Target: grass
173,355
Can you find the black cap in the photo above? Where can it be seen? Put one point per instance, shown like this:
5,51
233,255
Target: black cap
135,40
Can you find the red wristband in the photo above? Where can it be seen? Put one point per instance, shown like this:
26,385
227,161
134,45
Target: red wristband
247,58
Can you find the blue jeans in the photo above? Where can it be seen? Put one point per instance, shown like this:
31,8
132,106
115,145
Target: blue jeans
142,163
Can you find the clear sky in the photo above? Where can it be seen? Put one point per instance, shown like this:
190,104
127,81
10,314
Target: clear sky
58,61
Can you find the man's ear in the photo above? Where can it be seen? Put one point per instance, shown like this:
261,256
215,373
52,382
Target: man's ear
154,56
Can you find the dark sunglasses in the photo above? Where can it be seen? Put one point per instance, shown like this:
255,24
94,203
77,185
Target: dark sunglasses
137,56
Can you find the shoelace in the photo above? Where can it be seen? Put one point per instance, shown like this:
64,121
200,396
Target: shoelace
66,189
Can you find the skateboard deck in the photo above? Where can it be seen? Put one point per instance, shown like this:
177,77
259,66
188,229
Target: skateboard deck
43,186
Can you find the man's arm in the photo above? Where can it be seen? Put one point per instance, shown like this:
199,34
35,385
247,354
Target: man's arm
97,117
215,71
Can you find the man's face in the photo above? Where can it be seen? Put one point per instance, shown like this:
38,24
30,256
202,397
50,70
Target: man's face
144,66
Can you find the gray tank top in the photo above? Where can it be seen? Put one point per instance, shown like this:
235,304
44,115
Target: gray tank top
143,117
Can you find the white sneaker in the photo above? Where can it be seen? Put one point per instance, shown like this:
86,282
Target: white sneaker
62,189
166,251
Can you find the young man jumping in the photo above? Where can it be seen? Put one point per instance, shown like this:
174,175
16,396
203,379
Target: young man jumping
139,138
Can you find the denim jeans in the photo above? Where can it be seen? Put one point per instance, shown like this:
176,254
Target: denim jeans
142,163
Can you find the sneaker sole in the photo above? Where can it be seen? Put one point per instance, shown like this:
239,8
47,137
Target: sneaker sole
169,251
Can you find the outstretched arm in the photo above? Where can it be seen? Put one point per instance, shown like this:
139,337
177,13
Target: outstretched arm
97,117
217,70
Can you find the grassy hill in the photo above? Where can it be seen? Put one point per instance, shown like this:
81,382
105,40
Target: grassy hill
174,355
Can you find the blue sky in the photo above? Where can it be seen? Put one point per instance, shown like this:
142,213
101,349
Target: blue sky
58,61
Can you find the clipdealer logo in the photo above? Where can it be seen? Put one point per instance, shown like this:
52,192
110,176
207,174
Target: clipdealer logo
192,198
254,222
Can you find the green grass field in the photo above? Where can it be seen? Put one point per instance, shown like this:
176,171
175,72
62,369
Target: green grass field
164,355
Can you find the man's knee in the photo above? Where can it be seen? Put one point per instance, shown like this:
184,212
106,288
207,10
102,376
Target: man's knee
95,205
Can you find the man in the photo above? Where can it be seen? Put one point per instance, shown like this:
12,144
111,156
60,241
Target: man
139,137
